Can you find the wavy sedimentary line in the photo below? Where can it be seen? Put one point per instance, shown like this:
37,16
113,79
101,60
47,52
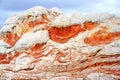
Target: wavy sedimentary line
19,24
102,37
108,71
99,69
63,31
86,64
79,73
115,73
8,57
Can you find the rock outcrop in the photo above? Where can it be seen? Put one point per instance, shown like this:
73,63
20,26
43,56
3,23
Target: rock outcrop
45,44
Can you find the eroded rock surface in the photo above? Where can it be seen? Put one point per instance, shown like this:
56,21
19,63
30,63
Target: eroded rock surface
45,44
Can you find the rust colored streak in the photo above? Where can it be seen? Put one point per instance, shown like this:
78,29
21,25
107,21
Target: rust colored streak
58,57
116,35
44,20
17,54
97,64
7,58
10,57
100,58
36,50
102,37
62,35
37,22
5,62
37,47
99,70
37,54
11,39
2,56
97,61
90,25
44,16
109,71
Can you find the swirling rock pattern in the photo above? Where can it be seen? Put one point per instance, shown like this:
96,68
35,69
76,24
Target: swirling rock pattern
45,44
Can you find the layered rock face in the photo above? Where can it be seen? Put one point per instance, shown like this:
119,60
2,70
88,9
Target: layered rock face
45,44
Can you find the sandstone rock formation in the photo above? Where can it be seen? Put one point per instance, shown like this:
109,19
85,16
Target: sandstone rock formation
45,44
